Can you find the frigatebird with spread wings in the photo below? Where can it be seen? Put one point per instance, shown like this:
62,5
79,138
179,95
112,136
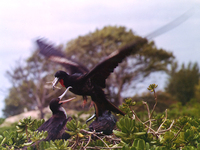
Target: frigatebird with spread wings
91,83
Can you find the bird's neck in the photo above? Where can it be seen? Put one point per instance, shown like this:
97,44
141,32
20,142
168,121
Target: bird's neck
65,81
61,112
62,82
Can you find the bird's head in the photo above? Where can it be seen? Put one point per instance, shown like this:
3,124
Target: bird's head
56,104
60,76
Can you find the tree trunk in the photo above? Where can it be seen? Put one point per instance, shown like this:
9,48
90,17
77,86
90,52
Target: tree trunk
41,112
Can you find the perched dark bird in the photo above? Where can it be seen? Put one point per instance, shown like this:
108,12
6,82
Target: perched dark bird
105,123
89,83
56,125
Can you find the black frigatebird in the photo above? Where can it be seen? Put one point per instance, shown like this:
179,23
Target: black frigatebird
56,124
105,123
91,83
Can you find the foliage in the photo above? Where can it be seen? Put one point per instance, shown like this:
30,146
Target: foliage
191,109
74,127
52,145
181,84
197,92
19,137
9,128
129,130
28,125
165,102
157,132
1,120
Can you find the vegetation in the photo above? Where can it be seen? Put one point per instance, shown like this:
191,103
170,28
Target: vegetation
157,132
182,83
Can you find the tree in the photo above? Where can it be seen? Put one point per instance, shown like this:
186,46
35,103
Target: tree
164,101
181,83
197,92
94,47
28,89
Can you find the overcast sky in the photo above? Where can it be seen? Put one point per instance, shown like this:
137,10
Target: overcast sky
23,21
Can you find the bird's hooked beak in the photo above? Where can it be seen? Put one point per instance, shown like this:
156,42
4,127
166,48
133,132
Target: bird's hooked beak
55,82
61,96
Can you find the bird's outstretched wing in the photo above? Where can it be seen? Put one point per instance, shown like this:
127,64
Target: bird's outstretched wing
101,72
57,56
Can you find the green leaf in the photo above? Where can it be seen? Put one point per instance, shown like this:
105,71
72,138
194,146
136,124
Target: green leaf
119,133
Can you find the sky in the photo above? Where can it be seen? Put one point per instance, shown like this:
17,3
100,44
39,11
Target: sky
59,21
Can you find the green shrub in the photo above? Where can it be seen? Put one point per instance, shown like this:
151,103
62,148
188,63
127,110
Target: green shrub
153,132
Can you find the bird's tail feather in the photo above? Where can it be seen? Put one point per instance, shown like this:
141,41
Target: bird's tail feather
102,104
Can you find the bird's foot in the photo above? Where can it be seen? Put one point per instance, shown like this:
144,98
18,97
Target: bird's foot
84,101
91,104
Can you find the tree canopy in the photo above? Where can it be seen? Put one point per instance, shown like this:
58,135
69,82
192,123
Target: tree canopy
181,84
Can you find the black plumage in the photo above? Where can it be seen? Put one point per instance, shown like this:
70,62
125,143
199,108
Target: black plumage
105,123
56,124
90,83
